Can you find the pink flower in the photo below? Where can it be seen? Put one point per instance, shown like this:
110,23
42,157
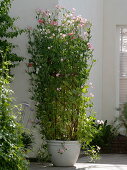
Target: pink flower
101,122
83,21
61,151
58,89
54,23
70,33
85,34
58,74
30,65
72,37
74,18
38,11
46,13
58,6
63,35
73,9
91,85
40,21
80,25
91,95
82,86
29,28
90,46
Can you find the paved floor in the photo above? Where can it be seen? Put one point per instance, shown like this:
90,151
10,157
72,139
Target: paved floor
107,162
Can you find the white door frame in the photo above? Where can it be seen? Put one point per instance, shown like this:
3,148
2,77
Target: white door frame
117,70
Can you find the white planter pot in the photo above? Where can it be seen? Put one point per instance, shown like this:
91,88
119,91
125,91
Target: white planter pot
63,153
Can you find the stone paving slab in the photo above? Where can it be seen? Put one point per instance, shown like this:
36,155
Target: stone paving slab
107,162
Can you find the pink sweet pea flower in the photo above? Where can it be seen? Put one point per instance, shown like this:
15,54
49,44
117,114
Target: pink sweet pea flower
38,11
59,7
58,74
73,9
58,89
91,85
81,25
46,13
101,122
82,86
61,59
72,37
29,28
70,33
85,34
30,64
54,23
91,95
40,21
63,35
61,151
90,46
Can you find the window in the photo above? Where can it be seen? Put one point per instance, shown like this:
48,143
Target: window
123,65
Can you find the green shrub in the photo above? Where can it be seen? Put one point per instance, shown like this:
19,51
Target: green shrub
105,134
27,139
11,147
123,117
7,31
121,120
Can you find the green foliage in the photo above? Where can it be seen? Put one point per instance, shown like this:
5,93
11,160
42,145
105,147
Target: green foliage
125,110
12,156
27,139
11,147
92,152
43,155
122,119
61,60
105,134
7,31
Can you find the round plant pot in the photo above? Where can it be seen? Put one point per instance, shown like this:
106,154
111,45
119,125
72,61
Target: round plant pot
63,153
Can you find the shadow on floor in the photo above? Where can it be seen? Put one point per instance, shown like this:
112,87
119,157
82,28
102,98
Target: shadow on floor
107,162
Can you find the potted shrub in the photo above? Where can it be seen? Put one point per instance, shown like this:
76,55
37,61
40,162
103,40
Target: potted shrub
61,60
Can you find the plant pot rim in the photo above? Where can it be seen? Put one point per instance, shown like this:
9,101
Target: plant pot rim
63,141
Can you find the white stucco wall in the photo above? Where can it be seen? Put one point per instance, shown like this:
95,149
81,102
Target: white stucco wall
115,13
93,11
25,10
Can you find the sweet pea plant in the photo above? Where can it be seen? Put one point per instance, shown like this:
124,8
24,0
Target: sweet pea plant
61,60
8,31
12,156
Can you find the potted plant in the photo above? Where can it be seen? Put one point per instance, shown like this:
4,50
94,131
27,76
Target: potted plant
61,60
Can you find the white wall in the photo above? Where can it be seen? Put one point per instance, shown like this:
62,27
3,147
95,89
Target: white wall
93,11
25,10
115,13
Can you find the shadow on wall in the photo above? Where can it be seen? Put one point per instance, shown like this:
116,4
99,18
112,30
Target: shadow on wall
29,121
